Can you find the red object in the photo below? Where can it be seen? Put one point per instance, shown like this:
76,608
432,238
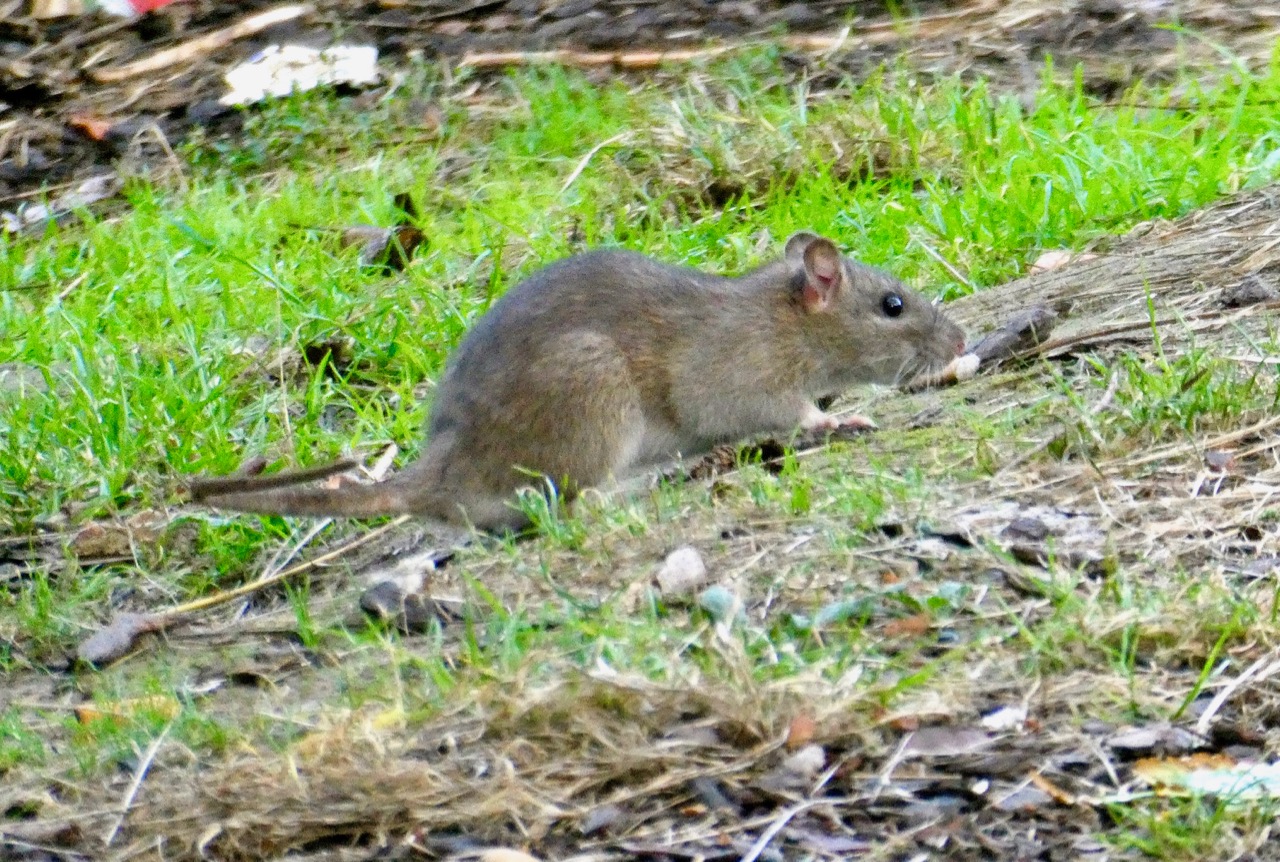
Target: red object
130,8
141,6
93,128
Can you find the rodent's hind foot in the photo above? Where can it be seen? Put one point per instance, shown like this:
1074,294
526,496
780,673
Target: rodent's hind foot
816,419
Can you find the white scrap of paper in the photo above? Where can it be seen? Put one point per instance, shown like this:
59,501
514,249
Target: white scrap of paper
279,70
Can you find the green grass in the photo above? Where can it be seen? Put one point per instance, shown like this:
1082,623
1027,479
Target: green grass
146,356
158,330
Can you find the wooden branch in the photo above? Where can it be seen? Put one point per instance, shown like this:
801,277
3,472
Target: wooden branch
201,45
588,59
870,34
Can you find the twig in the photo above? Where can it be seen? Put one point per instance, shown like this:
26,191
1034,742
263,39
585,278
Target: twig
212,601
1105,761
1255,672
114,640
946,264
870,34
779,823
205,44
891,764
588,59
38,192
379,470
134,785
161,140
1211,318
585,160
283,557
75,40
75,282
1218,442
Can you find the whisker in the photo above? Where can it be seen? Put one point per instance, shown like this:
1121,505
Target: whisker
901,375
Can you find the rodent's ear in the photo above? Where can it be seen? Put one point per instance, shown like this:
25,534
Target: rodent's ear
797,243
823,274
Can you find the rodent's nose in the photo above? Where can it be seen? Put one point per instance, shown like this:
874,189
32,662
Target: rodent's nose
960,346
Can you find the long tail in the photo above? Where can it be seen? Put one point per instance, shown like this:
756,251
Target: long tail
350,500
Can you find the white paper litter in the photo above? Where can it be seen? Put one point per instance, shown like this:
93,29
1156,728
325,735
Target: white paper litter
1243,781
1005,718
279,70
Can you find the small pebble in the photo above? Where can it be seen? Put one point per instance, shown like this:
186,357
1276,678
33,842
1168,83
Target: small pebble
682,572
720,602
807,761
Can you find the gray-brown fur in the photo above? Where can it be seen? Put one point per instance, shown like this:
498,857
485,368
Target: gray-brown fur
609,361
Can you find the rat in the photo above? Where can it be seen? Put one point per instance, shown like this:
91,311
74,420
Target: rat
605,363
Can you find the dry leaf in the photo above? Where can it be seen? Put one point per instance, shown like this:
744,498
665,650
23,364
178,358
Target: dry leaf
159,704
912,626
1059,795
97,540
1005,718
93,128
1027,797
946,741
1163,738
117,637
905,723
1211,774
600,818
43,9
278,70
390,248
32,216
801,731
112,539
455,27
1051,260
1223,462
1251,290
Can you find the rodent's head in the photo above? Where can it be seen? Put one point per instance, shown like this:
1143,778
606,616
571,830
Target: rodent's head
872,326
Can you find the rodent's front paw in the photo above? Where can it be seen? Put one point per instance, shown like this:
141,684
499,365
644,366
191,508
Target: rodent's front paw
821,424
963,367
856,422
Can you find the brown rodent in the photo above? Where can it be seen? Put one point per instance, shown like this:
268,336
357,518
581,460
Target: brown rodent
607,362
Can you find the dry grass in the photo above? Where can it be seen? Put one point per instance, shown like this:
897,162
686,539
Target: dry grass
1144,583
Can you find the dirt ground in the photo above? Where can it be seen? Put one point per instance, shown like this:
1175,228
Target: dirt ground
82,92
571,766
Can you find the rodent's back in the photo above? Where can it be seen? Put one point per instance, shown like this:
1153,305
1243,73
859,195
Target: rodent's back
642,304
603,289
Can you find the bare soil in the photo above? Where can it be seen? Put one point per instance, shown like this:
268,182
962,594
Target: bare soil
68,111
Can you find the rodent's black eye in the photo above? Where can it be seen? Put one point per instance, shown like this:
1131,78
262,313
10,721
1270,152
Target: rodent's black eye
891,304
